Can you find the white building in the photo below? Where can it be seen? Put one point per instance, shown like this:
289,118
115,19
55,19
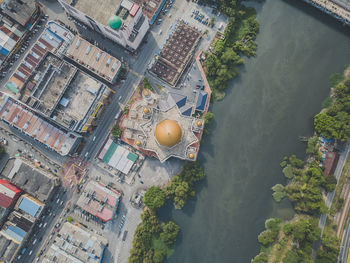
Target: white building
122,21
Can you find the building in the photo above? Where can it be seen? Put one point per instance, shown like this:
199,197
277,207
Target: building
48,83
17,17
64,94
23,118
151,8
99,201
121,21
24,12
17,227
75,244
8,249
8,193
34,180
174,56
330,163
29,205
155,126
117,157
94,59
49,41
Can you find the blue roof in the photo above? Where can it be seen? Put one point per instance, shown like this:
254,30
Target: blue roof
186,111
29,206
16,233
179,99
201,101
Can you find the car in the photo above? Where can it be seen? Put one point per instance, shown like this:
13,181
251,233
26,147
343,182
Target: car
23,250
45,224
34,242
198,87
124,235
160,32
58,200
30,252
61,203
93,139
120,97
86,154
41,224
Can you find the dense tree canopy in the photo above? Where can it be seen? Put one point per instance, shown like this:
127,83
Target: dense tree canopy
154,198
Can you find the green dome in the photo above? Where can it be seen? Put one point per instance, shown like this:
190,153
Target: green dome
115,22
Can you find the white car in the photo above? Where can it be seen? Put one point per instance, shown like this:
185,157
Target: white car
30,252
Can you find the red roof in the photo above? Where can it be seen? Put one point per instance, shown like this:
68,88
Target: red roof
134,9
8,193
5,201
10,186
330,163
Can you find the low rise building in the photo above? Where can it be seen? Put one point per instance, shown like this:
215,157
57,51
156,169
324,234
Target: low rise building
23,12
117,157
34,180
25,119
30,205
99,201
122,21
94,59
75,244
8,193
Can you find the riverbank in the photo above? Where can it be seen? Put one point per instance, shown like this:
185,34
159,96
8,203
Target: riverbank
308,184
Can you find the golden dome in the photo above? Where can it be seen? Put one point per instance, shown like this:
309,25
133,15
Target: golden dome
145,92
138,143
146,110
191,156
168,133
199,123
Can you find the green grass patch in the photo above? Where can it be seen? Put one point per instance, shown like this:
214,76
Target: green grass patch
158,244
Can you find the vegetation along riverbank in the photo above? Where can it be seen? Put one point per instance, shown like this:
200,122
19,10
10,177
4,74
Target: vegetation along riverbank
307,186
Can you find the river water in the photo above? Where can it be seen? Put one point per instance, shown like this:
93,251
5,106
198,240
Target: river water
266,109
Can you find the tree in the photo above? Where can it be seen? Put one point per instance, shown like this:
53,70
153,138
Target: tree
159,255
260,258
169,233
330,183
266,237
116,131
279,192
291,257
69,219
295,162
154,198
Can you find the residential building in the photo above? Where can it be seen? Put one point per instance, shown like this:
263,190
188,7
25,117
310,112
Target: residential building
75,244
99,201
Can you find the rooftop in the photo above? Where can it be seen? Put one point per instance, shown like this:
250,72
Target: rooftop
176,52
20,11
8,248
99,10
75,244
30,205
18,115
100,201
36,182
8,193
162,132
94,59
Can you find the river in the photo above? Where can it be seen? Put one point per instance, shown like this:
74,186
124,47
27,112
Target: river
266,109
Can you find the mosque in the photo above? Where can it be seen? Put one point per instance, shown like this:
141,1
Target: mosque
155,126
